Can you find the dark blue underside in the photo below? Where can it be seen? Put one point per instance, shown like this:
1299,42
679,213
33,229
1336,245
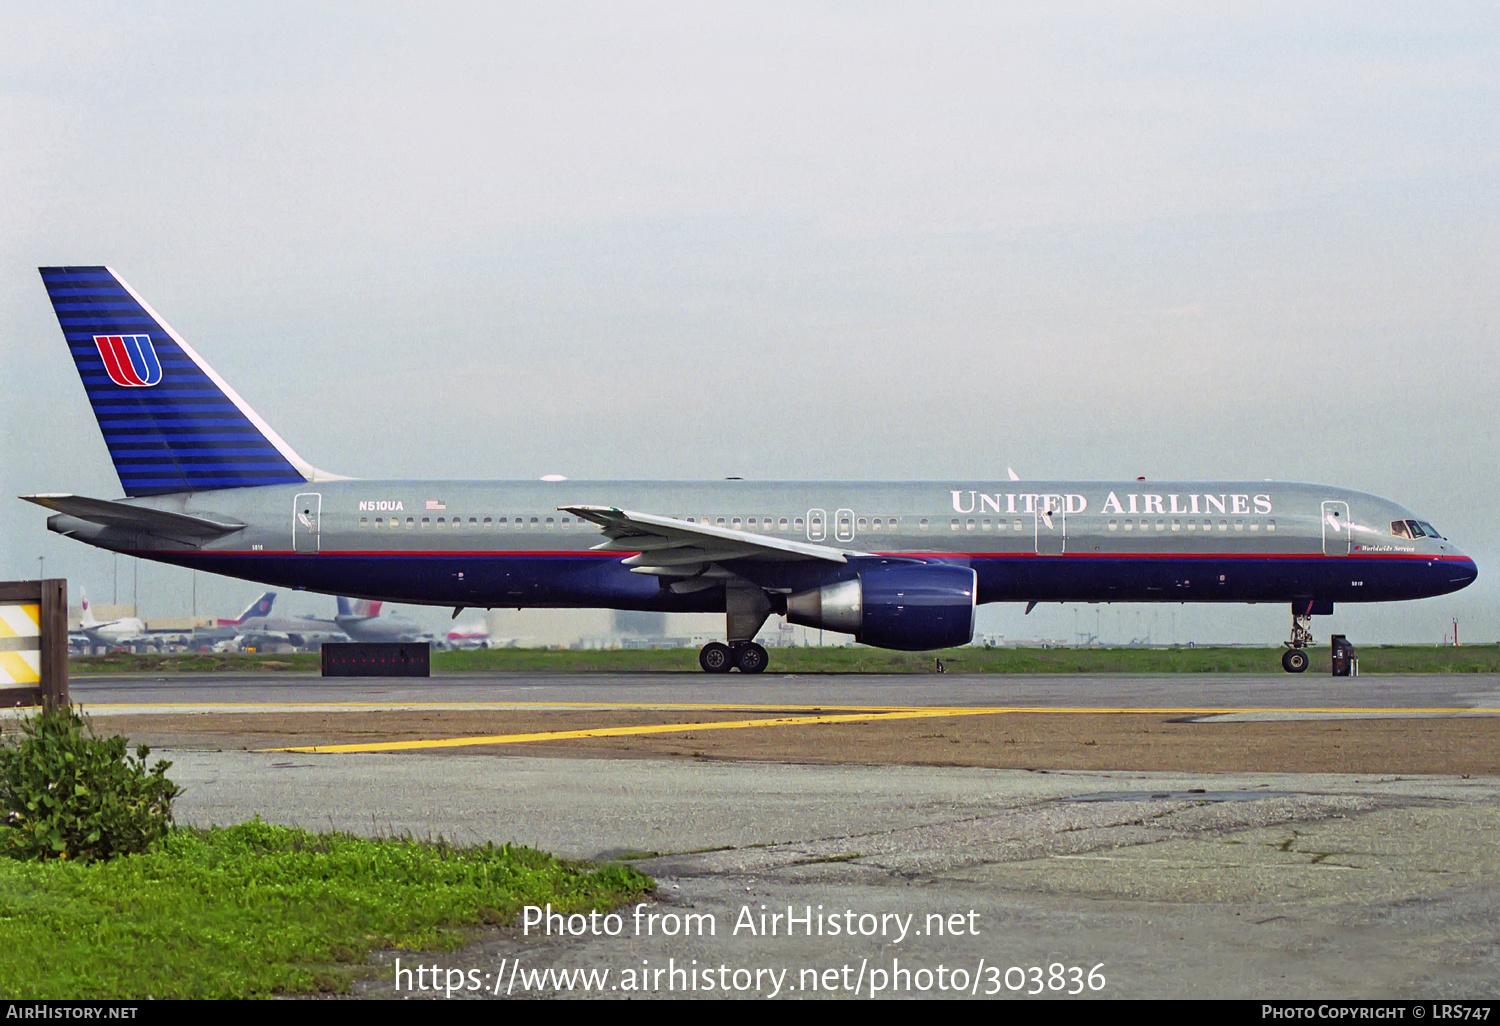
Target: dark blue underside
576,581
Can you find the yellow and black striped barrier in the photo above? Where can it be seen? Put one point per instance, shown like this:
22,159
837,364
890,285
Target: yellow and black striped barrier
34,642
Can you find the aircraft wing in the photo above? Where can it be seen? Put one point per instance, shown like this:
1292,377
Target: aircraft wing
159,522
667,547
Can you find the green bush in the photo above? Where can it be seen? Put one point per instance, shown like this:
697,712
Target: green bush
68,793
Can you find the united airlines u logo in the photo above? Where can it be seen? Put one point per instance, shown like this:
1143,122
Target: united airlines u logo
130,359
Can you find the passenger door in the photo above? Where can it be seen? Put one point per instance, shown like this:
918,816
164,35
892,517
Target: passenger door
1051,531
1335,528
307,518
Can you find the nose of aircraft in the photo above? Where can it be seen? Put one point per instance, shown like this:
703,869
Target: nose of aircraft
1462,570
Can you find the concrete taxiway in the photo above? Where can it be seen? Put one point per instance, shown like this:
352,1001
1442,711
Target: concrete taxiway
1180,883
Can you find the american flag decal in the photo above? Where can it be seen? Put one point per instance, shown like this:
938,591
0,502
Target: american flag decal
435,504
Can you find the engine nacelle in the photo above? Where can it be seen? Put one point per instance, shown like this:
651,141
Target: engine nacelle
910,607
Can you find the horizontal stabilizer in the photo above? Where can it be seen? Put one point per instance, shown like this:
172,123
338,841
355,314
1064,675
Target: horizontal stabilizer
159,522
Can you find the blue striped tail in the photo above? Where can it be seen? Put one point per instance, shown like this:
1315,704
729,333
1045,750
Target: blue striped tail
170,422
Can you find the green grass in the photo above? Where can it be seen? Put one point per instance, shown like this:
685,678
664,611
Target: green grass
1372,659
256,910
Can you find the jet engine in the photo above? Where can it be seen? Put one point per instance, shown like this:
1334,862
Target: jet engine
910,607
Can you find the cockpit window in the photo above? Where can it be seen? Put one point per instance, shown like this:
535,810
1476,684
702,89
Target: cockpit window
1428,529
1398,528
1414,528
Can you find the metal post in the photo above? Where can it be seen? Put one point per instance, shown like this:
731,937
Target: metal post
54,641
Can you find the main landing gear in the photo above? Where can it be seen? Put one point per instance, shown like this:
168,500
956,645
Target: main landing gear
746,655
745,610
1294,659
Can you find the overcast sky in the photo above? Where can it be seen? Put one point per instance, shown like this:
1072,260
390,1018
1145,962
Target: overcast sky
905,241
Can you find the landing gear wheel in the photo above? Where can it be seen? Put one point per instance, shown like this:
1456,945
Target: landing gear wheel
1294,660
716,658
750,657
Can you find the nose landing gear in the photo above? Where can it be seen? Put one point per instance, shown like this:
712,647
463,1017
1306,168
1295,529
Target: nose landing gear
1294,659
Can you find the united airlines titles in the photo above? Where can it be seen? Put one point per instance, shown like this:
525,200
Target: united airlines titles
1192,504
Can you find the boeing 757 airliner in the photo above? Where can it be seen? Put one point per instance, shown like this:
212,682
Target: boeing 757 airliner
209,485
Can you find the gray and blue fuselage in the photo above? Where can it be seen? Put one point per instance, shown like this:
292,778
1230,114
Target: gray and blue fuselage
513,544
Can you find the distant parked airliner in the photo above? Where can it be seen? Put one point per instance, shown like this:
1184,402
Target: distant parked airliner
209,485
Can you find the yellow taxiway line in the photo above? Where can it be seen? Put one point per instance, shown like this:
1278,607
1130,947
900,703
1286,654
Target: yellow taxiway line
867,714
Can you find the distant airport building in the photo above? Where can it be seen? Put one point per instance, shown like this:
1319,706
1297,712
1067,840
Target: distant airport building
636,623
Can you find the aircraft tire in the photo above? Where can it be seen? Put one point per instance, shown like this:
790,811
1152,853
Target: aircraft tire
751,658
716,658
1294,660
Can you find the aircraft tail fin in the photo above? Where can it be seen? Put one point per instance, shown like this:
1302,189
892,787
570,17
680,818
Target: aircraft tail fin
260,607
170,422
88,619
361,608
